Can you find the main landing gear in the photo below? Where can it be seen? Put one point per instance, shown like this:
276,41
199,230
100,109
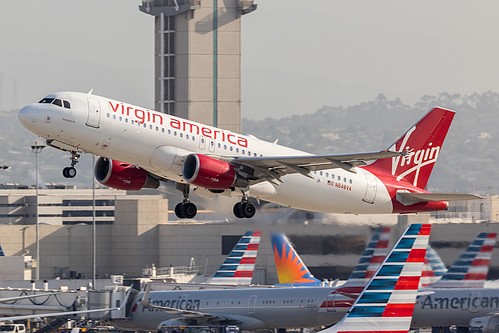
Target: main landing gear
70,172
185,209
244,209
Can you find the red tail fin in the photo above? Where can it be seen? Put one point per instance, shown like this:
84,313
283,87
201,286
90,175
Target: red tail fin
422,142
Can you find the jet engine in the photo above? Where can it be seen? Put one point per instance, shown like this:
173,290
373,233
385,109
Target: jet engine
210,173
488,324
122,176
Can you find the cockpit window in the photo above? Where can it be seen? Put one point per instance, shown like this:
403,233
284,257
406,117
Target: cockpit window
57,102
47,100
67,105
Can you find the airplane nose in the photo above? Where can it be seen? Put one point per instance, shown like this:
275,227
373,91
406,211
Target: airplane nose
27,116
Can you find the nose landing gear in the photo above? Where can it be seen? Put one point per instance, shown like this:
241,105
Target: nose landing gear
70,172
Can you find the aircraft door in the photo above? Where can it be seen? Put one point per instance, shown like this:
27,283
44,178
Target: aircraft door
211,146
94,111
202,142
330,303
252,304
371,188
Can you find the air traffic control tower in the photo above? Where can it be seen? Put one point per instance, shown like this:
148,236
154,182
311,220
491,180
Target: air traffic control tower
198,59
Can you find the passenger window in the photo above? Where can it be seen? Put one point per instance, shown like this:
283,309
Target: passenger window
57,102
67,105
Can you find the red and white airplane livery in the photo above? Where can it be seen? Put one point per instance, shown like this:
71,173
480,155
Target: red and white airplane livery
139,148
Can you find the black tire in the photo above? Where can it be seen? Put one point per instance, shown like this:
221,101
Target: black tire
248,210
69,172
179,211
189,210
238,211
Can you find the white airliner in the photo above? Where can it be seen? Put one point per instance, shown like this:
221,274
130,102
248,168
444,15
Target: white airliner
139,148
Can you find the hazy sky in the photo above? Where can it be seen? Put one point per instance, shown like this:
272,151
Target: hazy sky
297,55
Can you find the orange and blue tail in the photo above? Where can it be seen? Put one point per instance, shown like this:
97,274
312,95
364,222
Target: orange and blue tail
290,268
387,302
239,265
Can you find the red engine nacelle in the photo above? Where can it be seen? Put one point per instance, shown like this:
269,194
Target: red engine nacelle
122,176
210,173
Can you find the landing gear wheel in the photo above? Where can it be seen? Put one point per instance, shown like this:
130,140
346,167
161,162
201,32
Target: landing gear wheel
189,210
69,172
179,212
238,211
248,210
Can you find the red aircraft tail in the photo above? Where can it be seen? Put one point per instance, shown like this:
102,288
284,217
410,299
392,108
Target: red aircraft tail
422,144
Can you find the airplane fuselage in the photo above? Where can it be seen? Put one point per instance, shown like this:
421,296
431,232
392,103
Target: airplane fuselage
157,143
265,308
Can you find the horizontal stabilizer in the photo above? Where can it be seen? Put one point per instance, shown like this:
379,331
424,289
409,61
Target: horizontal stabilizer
407,198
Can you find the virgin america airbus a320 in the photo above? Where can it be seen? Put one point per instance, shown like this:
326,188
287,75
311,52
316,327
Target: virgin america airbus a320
138,148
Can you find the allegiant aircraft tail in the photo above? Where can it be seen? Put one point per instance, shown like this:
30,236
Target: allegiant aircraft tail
290,268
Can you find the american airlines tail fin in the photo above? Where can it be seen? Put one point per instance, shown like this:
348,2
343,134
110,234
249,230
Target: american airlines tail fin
373,255
422,144
387,302
471,268
434,268
239,265
290,268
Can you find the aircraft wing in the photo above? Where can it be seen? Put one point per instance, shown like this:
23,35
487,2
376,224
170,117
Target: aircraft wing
274,167
407,198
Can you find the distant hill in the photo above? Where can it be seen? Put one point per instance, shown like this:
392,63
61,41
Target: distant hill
469,160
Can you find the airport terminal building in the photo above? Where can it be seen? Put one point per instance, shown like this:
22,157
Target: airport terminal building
134,232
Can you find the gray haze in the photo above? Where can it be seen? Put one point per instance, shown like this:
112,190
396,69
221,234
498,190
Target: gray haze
297,55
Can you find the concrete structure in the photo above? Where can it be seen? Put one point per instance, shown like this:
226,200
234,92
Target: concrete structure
142,236
198,59
60,206
486,209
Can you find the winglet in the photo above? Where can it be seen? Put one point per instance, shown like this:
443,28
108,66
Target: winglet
144,302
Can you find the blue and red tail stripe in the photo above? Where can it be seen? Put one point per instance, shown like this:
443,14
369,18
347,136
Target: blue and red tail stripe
239,265
387,303
471,269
